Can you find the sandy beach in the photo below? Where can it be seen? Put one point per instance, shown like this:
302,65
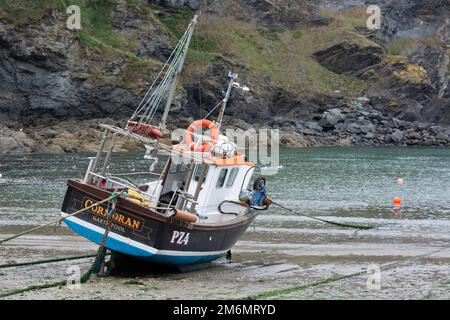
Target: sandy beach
281,256
258,270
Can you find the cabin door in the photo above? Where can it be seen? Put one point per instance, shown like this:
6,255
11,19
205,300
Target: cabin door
174,181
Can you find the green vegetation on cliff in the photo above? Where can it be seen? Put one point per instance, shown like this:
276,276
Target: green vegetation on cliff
24,11
283,55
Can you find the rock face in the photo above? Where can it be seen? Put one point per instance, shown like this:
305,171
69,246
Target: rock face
194,4
15,142
413,19
43,79
56,85
349,57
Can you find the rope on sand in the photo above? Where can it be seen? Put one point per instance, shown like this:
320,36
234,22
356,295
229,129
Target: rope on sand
30,263
323,220
84,278
99,257
386,266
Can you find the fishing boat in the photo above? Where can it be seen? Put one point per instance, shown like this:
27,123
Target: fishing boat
191,212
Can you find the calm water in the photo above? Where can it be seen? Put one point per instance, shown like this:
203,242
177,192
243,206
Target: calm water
355,184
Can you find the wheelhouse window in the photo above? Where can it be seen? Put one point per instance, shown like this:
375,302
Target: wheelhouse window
198,172
221,179
232,177
173,168
183,167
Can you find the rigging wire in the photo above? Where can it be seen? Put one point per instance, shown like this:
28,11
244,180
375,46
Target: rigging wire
152,99
161,71
212,110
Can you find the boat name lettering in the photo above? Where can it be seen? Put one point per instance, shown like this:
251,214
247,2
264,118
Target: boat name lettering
113,225
117,217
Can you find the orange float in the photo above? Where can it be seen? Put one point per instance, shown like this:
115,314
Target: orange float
397,201
204,146
184,216
145,129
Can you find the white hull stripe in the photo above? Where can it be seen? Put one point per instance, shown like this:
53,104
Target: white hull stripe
141,245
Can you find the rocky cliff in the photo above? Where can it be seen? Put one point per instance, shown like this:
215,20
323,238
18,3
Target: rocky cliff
315,70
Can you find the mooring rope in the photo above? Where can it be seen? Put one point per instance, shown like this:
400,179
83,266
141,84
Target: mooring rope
323,220
58,220
100,256
31,288
249,207
31,263
83,279
386,266
101,252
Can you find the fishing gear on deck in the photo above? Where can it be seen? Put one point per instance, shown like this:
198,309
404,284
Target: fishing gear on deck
323,220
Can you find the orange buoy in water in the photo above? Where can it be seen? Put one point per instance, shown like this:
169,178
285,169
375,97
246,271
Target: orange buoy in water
399,181
397,201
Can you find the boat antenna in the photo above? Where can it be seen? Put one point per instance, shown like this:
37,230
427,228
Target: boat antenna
233,76
232,84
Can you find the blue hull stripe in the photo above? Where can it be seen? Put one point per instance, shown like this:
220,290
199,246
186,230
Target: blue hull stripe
126,248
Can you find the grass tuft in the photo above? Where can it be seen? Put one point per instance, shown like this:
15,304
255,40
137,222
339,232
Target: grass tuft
401,45
21,12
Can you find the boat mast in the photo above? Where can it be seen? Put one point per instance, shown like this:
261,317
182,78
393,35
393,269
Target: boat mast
233,76
179,67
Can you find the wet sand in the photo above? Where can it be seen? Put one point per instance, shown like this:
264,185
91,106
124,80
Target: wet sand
264,265
282,256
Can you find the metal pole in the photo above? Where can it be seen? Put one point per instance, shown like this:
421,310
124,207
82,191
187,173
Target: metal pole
108,157
89,169
187,183
162,124
199,185
232,76
99,152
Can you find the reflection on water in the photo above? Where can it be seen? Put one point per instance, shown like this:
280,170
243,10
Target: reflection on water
340,183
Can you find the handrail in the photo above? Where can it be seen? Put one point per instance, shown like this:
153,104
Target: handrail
186,154
150,196
135,173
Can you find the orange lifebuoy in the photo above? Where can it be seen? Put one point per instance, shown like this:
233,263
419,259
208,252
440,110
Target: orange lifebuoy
204,146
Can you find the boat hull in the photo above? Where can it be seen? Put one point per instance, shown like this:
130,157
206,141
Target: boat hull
140,232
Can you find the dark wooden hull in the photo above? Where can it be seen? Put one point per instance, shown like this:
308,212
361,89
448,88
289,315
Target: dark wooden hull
143,233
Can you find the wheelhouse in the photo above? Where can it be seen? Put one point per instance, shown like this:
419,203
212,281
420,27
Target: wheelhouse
193,182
